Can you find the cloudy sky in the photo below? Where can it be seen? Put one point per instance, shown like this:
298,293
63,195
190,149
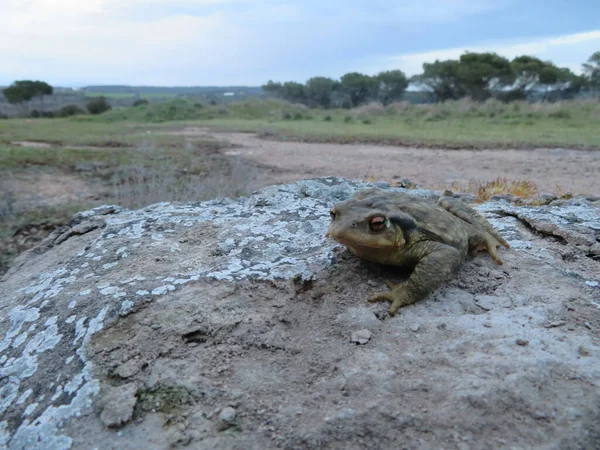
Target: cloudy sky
247,42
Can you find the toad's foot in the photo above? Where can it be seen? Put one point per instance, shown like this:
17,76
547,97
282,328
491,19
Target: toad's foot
490,244
398,296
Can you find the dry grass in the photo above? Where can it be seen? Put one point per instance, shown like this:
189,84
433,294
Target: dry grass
142,183
484,190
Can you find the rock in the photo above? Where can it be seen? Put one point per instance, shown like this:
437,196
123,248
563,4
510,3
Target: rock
227,417
191,303
361,337
129,369
522,342
117,404
415,327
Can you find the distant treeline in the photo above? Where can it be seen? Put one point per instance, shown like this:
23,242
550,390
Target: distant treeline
476,75
154,90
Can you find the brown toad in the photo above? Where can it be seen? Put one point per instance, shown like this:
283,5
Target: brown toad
398,229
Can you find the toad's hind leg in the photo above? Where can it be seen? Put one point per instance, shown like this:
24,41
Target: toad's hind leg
482,236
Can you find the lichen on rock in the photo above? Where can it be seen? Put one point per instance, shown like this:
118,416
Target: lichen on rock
235,301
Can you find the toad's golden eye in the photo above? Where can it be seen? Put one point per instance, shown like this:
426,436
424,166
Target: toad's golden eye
332,214
377,223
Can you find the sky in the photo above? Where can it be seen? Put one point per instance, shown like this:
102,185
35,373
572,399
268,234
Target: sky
248,42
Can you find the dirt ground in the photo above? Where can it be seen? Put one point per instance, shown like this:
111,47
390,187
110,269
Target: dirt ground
577,171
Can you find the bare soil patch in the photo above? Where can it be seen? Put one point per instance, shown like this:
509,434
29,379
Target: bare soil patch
47,188
577,171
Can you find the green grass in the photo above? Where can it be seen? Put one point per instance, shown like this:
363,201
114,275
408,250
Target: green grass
468,132
456,124
118,95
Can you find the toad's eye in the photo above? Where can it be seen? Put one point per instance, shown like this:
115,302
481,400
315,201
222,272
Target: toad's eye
332,213
377,223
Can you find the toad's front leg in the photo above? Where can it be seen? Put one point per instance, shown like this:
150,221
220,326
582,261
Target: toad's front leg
436,263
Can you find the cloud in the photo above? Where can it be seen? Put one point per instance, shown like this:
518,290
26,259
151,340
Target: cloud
200,42
565,51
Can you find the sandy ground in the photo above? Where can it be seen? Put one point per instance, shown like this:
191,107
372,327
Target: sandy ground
577,171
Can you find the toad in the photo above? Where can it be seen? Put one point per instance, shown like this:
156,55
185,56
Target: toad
395,228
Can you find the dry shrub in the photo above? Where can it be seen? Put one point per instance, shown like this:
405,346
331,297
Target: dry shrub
399,107
484,190
466,105
368,110
144,182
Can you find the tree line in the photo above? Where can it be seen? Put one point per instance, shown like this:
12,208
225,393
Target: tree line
476,75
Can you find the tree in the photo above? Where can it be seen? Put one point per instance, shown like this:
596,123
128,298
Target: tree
274,89
481,73
98,105
440,78
293,92
318,91
359,87
42,88
527,71
558,82
21,92
392,85
591,72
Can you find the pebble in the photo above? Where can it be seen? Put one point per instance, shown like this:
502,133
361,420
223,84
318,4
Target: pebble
588,325
555,324
415,327
522,342
372,283
583,351
361,337
227,417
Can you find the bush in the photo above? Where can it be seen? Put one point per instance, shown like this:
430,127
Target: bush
560,114
35,114
198,105
287,116
140,102
348,119
327,118
213,103
70,110
298,116
98,105
367,121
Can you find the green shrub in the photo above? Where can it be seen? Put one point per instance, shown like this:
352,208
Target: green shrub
286,116
367,121
140,102
35,114
98,105
327,118
298,116
70,110
560,114
348,119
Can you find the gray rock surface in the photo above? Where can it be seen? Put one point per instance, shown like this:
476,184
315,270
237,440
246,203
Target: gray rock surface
190,309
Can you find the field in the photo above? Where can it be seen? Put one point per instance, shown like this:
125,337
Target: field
185,151
118,95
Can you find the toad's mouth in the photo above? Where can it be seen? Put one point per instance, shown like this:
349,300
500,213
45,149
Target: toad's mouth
355,244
